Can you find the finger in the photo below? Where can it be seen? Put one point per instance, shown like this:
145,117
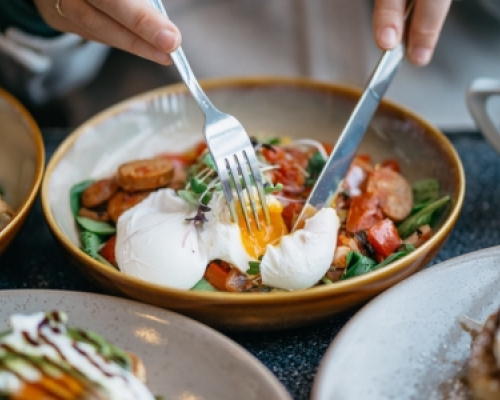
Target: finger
388,22
426,24
87,21
142,19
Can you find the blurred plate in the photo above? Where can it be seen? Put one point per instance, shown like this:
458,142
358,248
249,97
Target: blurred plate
184,359
407,343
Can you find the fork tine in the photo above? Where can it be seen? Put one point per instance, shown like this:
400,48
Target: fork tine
242,163
239,190
257,178
226,188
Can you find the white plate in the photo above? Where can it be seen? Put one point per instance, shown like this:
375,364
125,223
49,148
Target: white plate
407,343
184,359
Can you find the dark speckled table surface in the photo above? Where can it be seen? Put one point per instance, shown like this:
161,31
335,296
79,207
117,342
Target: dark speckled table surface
293,356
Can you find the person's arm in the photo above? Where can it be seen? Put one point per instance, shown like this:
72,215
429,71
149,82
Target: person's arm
131,25
426,24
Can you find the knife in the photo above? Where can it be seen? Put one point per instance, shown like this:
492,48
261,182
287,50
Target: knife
329,181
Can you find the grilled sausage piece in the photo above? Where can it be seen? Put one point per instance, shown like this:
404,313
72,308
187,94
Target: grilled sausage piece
96,215
122,201
484,373
145,174
99,192
394,193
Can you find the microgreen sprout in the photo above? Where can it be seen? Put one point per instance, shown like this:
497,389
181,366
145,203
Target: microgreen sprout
254,267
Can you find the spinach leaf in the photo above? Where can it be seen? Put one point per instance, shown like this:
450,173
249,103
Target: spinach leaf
254,268
425,191
357,264
422,217
203,286
97,227
314,168
91,244
402,251
75,195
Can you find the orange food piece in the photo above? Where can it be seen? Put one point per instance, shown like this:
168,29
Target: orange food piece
392,164
99,192
384,237
364,212
145,174
217,273
64,387
122,201
108,250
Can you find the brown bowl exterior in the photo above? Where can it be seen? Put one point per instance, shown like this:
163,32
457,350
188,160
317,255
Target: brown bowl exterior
22,161
402,130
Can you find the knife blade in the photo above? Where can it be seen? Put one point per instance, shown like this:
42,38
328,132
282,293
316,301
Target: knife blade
337,164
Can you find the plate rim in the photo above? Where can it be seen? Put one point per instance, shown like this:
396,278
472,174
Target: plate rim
238,351
454,262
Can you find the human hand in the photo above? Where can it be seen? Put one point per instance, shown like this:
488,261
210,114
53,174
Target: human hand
131,25
423,32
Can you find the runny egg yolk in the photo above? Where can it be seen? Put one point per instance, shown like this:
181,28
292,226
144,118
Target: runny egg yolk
255,242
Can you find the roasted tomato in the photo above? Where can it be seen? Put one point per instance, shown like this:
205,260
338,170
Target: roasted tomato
392,164
217,273
363,213
384,237
108,250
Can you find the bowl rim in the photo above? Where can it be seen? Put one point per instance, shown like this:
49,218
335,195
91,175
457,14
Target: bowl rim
25,117
309,294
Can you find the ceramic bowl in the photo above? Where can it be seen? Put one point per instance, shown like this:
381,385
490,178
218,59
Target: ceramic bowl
22,159
277,106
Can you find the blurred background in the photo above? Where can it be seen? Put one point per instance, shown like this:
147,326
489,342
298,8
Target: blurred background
323,39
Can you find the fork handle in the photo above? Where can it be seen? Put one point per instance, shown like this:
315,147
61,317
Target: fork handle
180,61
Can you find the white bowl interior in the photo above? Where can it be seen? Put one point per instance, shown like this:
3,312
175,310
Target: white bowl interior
18,154
157,122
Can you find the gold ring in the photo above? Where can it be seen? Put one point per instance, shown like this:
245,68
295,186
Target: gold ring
58,8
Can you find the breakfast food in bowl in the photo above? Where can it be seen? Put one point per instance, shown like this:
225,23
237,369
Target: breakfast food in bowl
166,123
42,357
165,220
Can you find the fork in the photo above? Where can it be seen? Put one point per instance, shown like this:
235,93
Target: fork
229,144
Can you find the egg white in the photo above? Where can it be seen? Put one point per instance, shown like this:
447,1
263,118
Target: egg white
303,257
155,243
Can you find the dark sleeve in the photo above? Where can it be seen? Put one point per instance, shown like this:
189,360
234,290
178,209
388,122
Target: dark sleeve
23,15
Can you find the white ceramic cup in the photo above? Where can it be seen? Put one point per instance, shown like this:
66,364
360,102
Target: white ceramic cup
478,94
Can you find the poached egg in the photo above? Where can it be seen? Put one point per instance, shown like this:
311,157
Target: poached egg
156,243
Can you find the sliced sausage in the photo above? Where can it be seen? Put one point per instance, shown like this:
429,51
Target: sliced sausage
122,201
145,174
99,192
96,215
394,193
363,213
